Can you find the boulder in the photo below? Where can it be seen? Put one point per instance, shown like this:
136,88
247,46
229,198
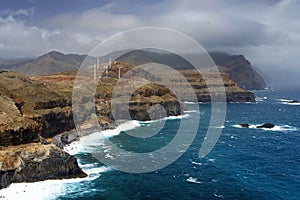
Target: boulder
294,101
266,125
246,125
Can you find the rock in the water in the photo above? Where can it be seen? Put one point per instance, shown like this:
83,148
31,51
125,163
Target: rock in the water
294,101
266,125
245,125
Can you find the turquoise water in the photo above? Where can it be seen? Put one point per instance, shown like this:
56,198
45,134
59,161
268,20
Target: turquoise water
244,164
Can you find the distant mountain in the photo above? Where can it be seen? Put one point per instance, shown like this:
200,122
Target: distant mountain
49,63
238,67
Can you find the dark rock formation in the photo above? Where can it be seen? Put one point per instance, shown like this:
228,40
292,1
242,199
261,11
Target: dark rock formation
230,97
266,125
244,125
245,96
36,162
294,101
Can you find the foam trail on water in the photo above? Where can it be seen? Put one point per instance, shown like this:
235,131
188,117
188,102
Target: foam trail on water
282,128
261,98
166,118
189,102
193,180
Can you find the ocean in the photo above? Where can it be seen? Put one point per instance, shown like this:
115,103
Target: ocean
245,163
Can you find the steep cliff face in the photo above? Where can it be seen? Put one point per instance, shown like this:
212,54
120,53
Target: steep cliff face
239,70
36,162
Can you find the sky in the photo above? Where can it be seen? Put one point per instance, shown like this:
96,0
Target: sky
266,32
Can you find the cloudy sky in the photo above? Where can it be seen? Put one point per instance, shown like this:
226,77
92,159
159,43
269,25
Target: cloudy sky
266,32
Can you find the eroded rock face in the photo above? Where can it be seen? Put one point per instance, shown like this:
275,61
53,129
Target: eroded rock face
36,162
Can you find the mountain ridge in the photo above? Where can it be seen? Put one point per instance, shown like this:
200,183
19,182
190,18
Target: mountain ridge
237,67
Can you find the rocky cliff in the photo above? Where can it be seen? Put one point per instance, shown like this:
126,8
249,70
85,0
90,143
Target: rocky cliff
36,162
239,70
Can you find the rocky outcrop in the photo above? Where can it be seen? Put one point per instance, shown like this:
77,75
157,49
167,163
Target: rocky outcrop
245,96
266,125
36,162
294,101
245,125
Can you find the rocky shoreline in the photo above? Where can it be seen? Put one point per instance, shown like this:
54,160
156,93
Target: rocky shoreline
36,121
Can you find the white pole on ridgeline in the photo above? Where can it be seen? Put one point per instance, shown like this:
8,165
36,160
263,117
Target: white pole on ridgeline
120,67
98,63
106,71
109,62
95,77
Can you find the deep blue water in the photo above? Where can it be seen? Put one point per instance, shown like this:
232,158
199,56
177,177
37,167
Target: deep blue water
244,164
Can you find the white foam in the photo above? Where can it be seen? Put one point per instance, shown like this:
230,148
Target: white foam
288,102
284,100
220,127
74,147
129,125
49,189
43,189
292,104
193,180
177,117
166,118
190,102
261,98
94,140
195,163
97,170
191,111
